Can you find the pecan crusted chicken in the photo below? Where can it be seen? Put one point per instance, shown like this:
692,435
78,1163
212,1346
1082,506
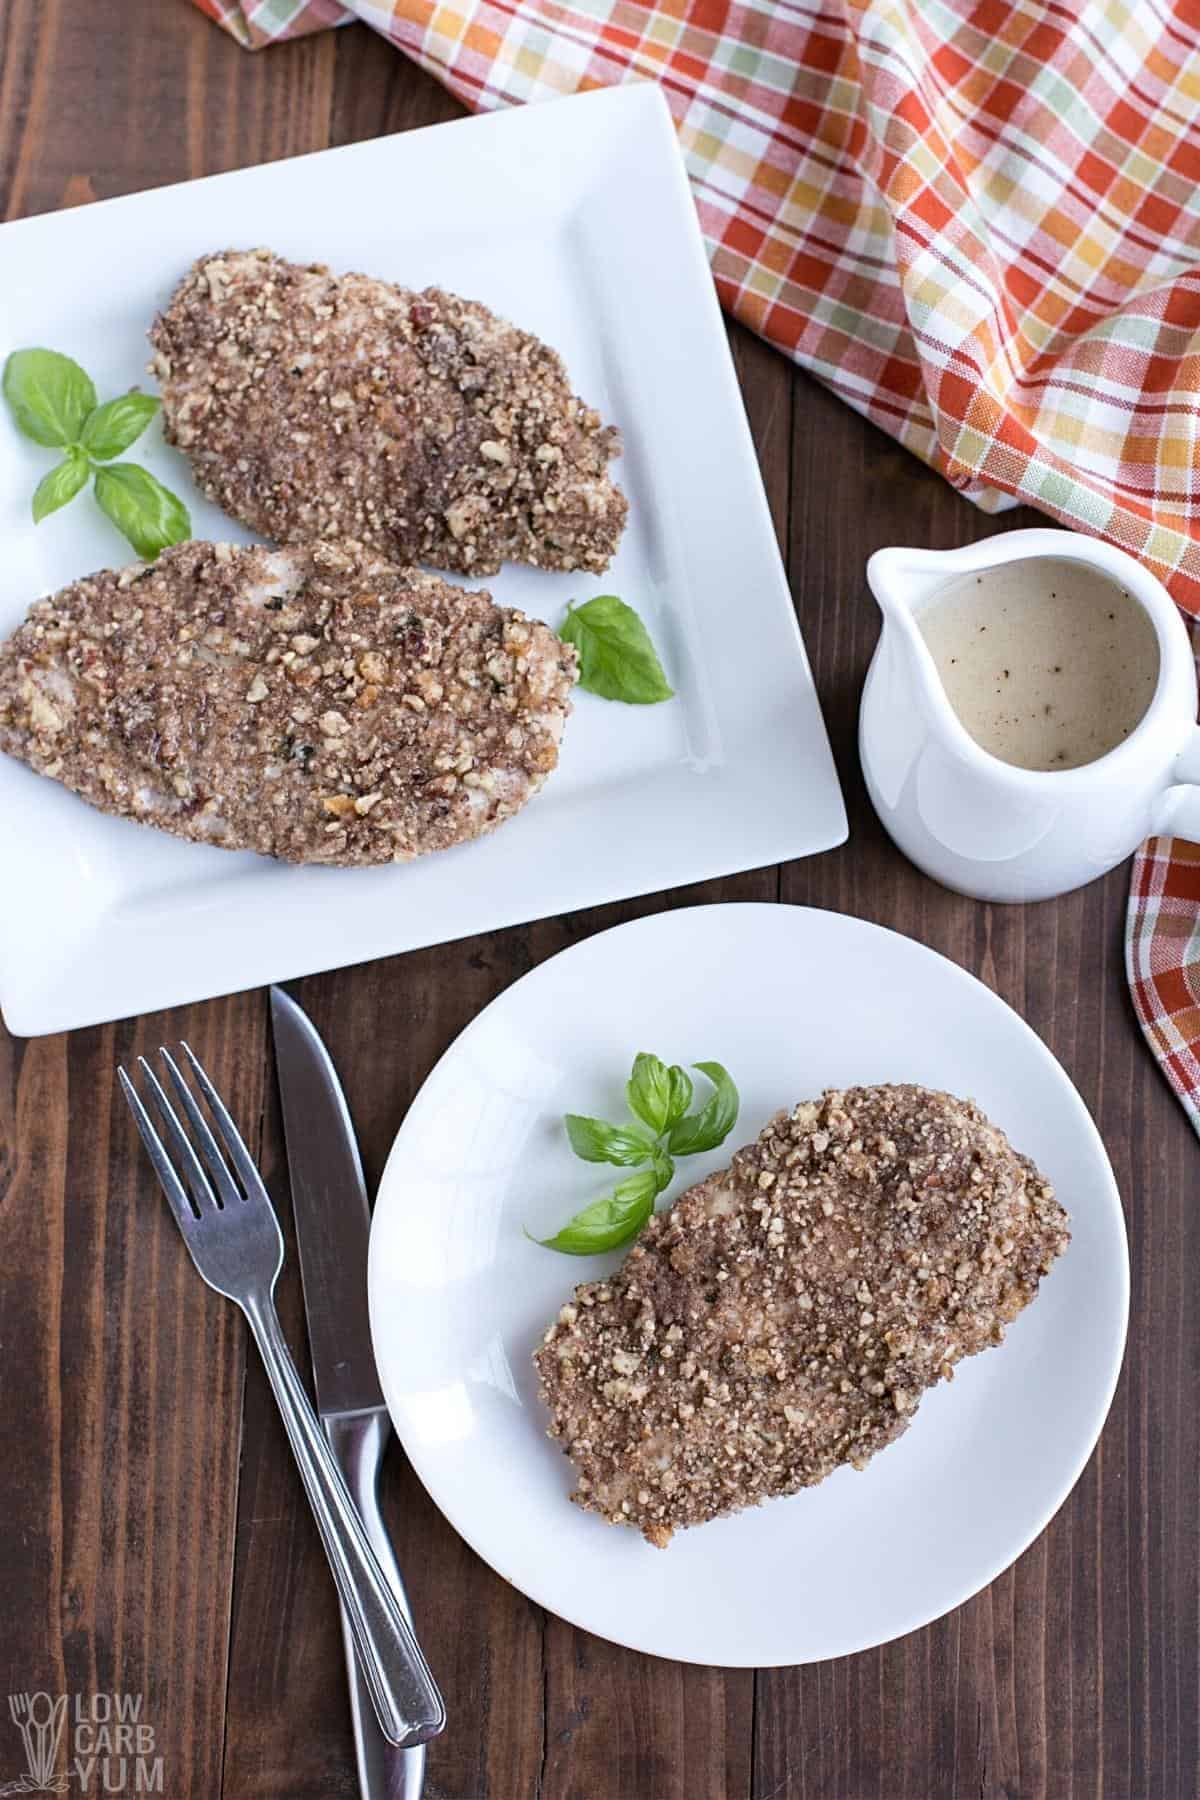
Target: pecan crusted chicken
316,704
787,1314
314,405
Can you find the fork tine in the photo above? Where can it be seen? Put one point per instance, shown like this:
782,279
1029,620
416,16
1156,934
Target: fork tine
231,1137
209,1148
173,1188
193,1171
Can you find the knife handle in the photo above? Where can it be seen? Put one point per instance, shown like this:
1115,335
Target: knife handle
358,1441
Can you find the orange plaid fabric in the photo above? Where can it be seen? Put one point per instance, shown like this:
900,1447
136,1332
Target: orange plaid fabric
1162,948
978,221
267,22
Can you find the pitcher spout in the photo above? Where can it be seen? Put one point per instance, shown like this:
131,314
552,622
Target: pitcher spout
902,582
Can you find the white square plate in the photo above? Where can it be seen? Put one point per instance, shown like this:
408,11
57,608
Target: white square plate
575,220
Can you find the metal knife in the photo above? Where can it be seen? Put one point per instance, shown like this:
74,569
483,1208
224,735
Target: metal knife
332,1216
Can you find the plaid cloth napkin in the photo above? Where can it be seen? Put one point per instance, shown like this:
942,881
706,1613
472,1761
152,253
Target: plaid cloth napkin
1162,958
978,221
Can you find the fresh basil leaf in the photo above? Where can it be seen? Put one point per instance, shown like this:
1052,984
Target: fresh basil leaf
607,1224
117,424
597,1141
60,485
705,1129
648,1090
681,1094
663,1167
50,396
149,514
616,658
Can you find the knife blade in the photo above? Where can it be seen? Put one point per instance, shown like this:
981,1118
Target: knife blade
333,1221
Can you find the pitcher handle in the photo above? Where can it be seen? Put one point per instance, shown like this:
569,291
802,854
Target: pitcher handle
1177,813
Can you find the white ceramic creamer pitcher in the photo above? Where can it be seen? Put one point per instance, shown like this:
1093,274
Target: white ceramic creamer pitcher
983,826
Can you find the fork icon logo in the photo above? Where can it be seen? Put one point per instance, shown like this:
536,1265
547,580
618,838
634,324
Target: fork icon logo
40,1718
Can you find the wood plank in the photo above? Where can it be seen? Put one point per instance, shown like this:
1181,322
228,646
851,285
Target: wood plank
377,91
122,1394
93,104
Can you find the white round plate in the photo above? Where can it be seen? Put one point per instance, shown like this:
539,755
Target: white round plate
791,1001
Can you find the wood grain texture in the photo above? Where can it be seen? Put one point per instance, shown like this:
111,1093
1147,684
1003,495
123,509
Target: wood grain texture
153,1536
122,1394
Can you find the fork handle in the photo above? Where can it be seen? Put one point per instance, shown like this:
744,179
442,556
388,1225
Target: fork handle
402,1690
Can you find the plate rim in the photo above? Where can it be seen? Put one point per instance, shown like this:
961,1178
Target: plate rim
1110,1194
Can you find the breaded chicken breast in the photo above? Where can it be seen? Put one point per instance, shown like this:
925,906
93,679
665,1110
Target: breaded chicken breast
786,1315
315,703
315,405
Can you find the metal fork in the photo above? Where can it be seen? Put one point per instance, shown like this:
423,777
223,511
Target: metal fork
233,1236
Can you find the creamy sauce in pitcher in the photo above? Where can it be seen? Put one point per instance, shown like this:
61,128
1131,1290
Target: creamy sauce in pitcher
1048,663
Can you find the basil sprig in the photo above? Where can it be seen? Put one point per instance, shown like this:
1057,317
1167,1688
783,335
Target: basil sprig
616,658
662,1128
53,401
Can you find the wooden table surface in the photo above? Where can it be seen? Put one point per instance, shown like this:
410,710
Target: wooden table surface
153,1537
